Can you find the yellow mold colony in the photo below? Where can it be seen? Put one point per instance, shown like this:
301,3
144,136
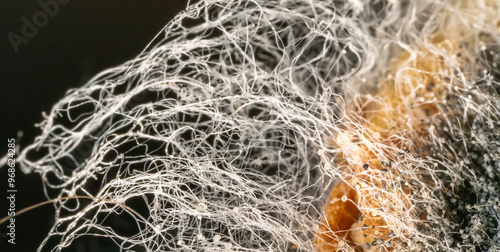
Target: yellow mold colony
364,209
377,205
374,207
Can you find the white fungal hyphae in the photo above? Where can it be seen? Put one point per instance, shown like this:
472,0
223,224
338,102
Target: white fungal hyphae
229,135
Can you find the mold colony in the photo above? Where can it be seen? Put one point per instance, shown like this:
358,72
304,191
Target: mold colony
214,131
390,165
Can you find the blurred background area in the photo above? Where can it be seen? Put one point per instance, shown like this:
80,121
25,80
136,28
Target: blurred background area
76,41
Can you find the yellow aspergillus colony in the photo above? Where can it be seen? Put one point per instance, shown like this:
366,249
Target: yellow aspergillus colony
365,211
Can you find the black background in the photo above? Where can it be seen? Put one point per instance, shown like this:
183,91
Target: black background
82,39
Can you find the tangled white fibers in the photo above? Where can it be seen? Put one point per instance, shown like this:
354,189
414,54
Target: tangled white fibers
255,128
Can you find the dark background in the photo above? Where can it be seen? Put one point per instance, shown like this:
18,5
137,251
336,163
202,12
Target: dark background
82,39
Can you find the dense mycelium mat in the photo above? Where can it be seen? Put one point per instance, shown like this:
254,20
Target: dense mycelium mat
287,126
392,170
403,165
